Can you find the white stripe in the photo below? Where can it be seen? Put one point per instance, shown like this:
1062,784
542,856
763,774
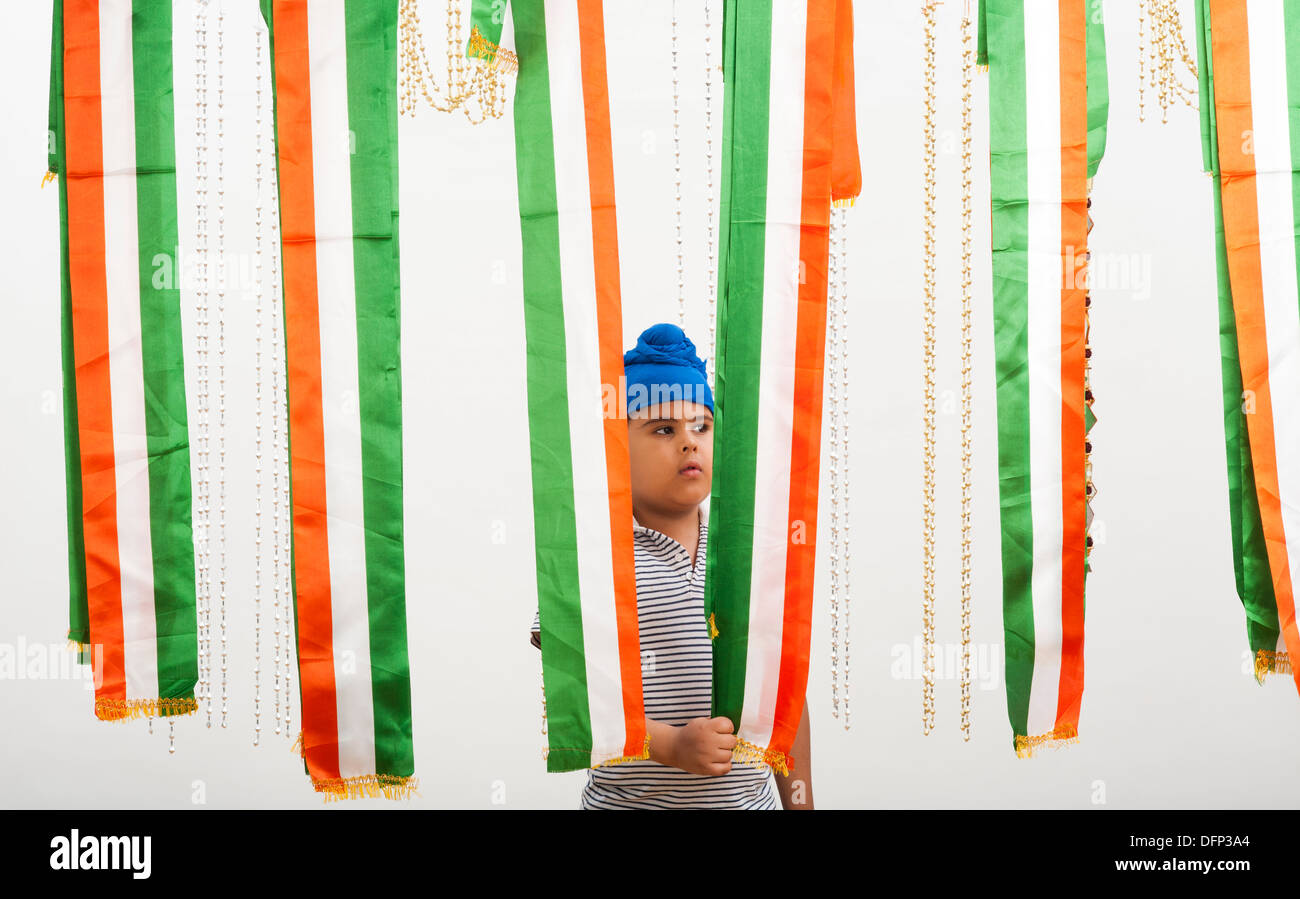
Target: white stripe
1273,188
1045,276
125,359
776,375
586,419
336,289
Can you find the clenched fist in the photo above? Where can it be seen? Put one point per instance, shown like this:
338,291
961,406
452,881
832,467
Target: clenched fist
703,746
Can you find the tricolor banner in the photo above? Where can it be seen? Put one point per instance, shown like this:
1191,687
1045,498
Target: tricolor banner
130,540
573,321
1250,90
334,69
1047,113
788,129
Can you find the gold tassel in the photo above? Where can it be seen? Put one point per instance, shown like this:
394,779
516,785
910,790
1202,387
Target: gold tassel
713,627
122,709
843,202
49,176
1026,746
367,786
756,756
493,54
298,747
1268,662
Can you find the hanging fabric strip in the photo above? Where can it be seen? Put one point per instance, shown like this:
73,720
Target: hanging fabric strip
334,70
846,167
573,323
130,541
778,126
1255,85
1043,106
1249,553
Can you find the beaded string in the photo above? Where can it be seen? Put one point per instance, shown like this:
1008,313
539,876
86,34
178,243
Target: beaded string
1168,48
257,380
677,181
929,410
846,586
967,402
483,82
283,519
710,285
221,356
202,505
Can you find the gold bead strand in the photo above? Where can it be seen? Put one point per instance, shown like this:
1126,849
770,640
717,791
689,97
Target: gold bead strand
1142,13
929,410
968,69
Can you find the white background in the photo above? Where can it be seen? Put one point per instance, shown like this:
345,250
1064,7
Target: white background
1170,717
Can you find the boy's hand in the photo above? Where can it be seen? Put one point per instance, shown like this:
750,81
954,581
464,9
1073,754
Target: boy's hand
703,746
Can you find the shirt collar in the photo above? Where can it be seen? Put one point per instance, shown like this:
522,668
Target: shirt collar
639,528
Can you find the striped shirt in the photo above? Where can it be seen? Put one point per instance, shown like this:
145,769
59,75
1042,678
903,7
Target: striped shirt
677,685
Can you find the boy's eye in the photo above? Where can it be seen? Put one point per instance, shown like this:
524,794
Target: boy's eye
663,428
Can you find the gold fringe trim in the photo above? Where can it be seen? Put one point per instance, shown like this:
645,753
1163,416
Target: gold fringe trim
756,756
297,746
983,69
622,759
645,754
844,202
496,56
49,176
1026,746
713,627
368,786
122,709
79,647
1269,662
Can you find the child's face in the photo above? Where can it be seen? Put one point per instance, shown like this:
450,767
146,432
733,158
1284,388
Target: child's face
671,450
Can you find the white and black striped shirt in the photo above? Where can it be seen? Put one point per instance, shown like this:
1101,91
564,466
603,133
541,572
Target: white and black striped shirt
677,684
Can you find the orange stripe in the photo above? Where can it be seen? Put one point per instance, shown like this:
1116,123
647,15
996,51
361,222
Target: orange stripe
609,321
1231,48
810,354
89,287
846,170
1074,240
306,422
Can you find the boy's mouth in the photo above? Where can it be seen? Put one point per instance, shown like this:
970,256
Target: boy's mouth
691,470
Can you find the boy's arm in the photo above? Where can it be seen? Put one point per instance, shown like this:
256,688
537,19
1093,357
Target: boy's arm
796,790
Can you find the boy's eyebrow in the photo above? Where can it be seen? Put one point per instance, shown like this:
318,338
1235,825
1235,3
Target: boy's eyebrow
649,421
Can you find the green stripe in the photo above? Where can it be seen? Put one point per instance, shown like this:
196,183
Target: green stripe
1098,86
372,118
1250,564
171,534
564,671
1009,186
78,608
747,51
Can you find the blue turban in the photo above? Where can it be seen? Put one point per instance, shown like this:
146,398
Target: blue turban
664,367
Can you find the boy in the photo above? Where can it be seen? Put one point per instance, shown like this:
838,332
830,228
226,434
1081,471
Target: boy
670,444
